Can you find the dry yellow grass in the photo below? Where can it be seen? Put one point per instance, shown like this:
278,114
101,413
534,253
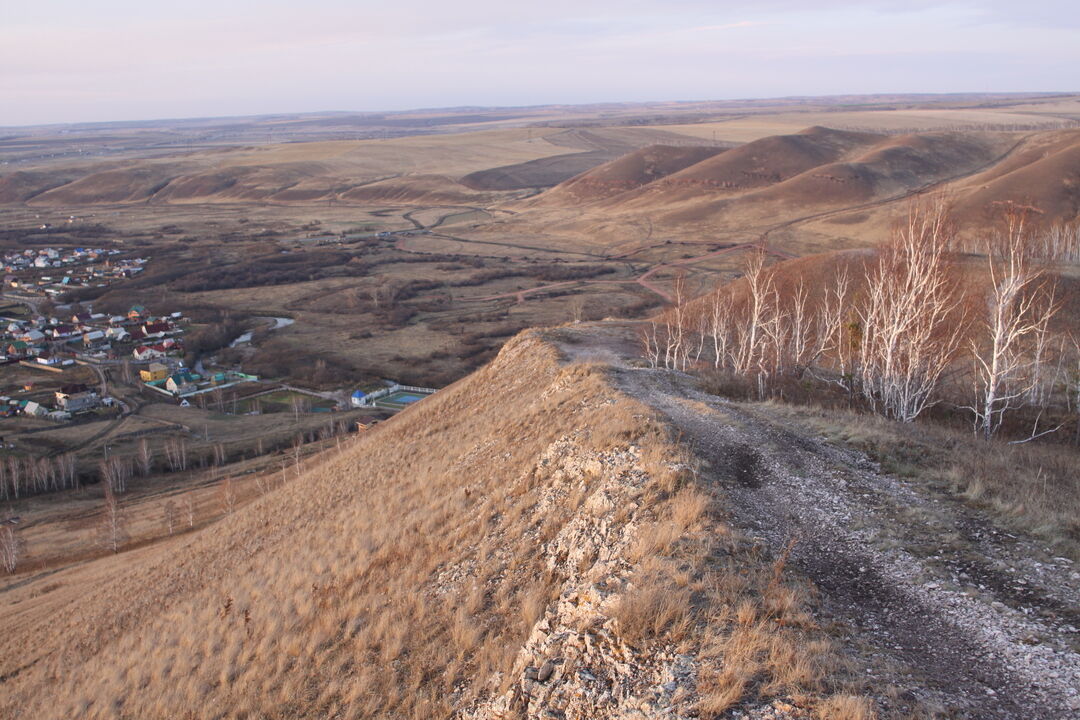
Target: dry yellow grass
395,577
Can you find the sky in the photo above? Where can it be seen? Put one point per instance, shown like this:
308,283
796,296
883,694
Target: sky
101,60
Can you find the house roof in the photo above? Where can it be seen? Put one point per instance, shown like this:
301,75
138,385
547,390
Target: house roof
72,389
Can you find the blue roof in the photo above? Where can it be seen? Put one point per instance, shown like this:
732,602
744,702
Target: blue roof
359,394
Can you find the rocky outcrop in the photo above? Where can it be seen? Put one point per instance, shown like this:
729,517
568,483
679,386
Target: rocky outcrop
575,664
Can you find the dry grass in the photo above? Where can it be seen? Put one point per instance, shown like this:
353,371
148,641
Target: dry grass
395,578
389,580
845,707
1034,486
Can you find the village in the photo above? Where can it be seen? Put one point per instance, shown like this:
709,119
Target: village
65,270
60,341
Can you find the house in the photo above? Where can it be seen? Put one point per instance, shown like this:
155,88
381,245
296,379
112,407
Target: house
32,336
156,371
118,334
218,379
76,398
180,383
34,409
62,330
80,318
359,398
148,352
48,359
137,313
17,348
156,329
365,422
94,337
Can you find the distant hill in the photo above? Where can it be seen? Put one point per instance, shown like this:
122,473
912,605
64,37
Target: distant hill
628,172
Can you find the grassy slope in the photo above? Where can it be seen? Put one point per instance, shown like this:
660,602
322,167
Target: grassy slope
395,578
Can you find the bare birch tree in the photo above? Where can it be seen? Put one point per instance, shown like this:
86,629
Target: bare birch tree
1019,307
11,547
113,532
169,515
145,457
910,333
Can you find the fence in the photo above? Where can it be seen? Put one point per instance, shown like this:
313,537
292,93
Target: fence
370,398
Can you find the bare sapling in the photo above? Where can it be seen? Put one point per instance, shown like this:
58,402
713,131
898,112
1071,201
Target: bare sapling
112,522
170,516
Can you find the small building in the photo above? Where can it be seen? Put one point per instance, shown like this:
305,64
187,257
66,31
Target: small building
35,409
365,422
48,359
148,352
180,383
359,398
137,313
94,337
156,329
32,336
76,398
156,371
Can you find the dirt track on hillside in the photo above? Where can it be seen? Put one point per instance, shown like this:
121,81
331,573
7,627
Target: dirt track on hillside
947,615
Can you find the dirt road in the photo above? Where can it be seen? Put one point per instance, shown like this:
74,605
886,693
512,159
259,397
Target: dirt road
960,618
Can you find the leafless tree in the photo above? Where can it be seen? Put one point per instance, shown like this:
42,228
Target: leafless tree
300,404
113,532
909,330
145,457
11,547
219,454
170,515
115,473
1020,304
720,328
65,467
14,475
651,343
298,445
189,507
227,495
176,453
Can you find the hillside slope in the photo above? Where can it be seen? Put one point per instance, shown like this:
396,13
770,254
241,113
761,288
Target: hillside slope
562,534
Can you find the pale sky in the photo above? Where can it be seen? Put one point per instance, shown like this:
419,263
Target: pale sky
95,60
